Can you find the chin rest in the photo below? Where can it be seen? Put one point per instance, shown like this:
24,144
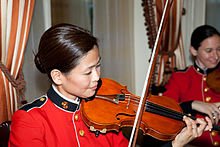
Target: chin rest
4,133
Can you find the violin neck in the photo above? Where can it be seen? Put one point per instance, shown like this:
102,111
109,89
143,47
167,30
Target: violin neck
166,112
163,111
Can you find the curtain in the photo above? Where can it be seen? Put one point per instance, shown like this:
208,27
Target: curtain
171,53
113,26
15,22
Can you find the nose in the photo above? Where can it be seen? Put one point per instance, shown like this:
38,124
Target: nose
96,74
216,54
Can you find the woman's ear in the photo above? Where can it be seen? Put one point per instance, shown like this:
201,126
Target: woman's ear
193,51
56,76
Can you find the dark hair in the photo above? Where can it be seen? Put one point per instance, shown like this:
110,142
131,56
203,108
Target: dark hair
61,47
201,33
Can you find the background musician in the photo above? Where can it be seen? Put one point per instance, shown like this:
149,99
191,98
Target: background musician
189,88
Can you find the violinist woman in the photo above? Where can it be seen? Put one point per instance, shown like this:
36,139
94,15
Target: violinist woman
189,88
69,55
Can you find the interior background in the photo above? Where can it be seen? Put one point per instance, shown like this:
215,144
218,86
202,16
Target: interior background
125,56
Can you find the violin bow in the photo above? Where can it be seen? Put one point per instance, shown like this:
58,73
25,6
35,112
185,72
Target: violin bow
155,51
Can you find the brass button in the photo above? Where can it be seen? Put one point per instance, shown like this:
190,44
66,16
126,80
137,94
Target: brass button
206,89
189,114
216,143
76,117
197,69
213,133
65,104
81,133
42,99
207,99
205,78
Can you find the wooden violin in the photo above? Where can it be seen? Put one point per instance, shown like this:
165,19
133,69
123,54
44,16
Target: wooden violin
213,79
114,107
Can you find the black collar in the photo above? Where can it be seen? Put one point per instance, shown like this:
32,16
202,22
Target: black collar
61,102
199,69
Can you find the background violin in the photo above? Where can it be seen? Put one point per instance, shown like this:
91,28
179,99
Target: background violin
213,79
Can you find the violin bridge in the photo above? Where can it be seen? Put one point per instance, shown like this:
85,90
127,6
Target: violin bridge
129,96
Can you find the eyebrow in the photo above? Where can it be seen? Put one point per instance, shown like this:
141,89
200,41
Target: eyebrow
95,64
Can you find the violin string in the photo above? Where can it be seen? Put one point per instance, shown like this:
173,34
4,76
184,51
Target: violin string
154,108
157,109
160,110
173,114
161,113
163,110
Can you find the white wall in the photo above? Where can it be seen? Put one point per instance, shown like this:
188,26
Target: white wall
36,83
195,16
141,50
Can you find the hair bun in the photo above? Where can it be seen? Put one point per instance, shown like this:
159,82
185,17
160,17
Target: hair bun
38,64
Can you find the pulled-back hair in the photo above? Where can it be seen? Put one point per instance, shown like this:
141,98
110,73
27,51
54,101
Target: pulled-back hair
201,33
61,47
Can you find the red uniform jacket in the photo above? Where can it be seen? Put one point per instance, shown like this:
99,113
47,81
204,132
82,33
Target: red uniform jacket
53,121
189,85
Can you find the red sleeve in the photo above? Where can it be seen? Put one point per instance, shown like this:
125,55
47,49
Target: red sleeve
119,140
173,88
25,131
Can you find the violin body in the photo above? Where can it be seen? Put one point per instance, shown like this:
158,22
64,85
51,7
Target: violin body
108,111
213,80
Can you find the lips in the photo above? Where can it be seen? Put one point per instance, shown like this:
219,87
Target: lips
214,62
94,87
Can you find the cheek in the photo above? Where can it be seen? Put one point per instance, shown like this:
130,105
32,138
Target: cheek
203,55
99,71
218,53
81,82
78,87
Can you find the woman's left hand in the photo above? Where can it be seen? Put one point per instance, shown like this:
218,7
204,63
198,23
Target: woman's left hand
210,109
191,131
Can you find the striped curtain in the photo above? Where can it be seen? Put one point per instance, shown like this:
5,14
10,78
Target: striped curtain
171,54
15,22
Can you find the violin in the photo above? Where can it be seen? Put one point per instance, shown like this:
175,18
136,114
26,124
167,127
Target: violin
213,80
114,107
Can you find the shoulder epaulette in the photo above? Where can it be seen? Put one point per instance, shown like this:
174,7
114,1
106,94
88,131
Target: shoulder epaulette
182,70
35,104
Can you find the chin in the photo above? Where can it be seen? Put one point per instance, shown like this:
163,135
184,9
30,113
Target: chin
212,66
90,95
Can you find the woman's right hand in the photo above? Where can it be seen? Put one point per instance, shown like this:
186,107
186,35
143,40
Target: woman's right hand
211,109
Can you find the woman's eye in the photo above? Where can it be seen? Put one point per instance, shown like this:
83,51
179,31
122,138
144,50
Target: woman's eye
97,66
88,73
208,50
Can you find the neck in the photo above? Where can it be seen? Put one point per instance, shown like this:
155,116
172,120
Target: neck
58,90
